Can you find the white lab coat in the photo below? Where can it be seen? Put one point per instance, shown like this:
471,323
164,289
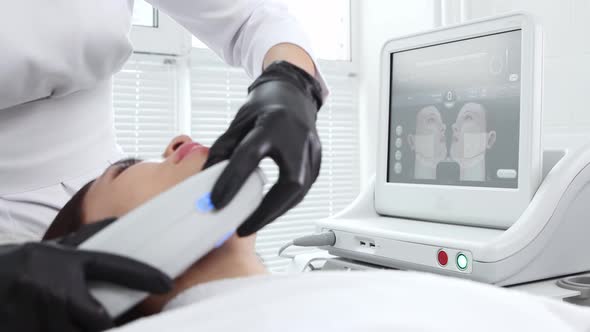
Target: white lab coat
58,57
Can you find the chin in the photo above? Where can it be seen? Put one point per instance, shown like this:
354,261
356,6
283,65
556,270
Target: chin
196,160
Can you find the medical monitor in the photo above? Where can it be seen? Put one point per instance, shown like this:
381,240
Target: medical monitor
460,123
454,116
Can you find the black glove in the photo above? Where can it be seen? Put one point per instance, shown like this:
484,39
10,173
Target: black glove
43,287
277,121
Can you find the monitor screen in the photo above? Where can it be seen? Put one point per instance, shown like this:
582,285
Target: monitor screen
455,112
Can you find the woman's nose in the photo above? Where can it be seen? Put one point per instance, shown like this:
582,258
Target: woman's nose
175,143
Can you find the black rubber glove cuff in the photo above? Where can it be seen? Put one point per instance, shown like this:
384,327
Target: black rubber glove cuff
287,72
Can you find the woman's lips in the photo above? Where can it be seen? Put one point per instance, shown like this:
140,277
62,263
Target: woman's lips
187,148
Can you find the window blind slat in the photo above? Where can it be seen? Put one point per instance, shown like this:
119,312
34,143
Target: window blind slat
144,100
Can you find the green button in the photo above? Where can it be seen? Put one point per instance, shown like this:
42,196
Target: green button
462,261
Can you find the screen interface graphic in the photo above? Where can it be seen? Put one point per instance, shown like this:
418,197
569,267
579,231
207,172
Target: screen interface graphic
455,113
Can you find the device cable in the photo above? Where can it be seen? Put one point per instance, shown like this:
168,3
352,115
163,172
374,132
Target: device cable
309,264
283,248
314,240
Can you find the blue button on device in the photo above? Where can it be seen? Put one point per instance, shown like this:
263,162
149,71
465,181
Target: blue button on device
204,203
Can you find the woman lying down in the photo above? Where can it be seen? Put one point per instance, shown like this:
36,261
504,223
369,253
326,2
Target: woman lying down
230,289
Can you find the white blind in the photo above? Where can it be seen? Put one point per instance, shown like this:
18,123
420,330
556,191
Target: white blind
217,93
144,97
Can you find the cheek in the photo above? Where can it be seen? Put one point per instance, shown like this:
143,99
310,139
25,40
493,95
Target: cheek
190,165
139,192
135,196
422,129
106,201
471,127
137,187
117,202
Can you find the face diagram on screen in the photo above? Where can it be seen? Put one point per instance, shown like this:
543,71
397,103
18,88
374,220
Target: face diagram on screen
428,143
455,112
470,142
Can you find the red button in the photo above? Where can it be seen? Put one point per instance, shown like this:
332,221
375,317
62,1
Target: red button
443,258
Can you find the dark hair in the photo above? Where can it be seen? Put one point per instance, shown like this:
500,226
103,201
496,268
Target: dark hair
70,218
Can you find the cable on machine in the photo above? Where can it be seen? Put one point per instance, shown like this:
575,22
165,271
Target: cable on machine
314,240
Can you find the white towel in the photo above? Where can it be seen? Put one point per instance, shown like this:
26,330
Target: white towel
361,301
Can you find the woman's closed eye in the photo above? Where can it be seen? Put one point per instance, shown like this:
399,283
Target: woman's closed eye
123,164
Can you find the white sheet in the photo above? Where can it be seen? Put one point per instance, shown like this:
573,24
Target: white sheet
360,301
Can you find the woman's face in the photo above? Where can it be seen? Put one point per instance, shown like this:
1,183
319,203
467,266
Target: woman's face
128,184
125,186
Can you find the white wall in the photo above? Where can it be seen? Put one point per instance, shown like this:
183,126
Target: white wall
381,20
566,26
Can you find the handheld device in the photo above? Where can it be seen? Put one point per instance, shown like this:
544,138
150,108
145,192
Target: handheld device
460,135
173,230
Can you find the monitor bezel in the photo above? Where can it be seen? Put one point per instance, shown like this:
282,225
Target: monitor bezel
476,206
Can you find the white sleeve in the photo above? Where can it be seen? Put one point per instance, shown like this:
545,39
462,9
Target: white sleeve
240,31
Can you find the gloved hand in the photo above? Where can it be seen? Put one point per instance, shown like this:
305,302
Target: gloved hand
44,287
277,121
